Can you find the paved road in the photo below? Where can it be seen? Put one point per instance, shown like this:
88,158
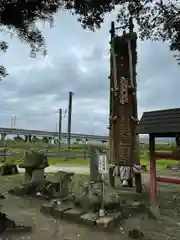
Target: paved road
51,155
71,155
78,169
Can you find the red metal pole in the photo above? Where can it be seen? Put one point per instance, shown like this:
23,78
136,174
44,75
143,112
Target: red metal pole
168,180
153,170
162,155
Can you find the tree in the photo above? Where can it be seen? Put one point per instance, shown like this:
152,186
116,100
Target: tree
156,19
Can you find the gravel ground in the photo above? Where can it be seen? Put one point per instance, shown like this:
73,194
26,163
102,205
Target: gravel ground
27,210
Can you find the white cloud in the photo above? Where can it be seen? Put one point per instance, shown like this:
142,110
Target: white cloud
78,61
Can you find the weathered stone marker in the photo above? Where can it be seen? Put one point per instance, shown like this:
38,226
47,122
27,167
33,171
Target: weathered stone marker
34,178
34,165
61,182
6,168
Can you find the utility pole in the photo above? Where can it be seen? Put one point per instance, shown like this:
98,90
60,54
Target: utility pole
56,127
14,121
60,128
69,121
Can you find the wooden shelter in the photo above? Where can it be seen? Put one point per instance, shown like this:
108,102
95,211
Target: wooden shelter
161,123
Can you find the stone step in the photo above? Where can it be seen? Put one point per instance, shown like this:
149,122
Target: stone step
82,217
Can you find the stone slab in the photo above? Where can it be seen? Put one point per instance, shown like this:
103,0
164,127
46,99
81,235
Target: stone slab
21,226
58,211
89,218
108,220
73,214
154,211
47,208
19,229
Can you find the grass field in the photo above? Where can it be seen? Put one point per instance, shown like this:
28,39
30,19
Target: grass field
161,164
50,148
20,147
55,161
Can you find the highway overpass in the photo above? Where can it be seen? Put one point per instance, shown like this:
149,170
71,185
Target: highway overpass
15,131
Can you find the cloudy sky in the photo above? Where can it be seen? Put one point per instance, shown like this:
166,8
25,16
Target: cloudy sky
78,61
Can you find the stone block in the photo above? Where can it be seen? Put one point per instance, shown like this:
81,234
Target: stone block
108,221
21,226
19,229
57,212
62,181
73,214
136,204
38,176
27,176
46,208
89,218
154,211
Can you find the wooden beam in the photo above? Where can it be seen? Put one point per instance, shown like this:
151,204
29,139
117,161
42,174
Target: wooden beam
163,155
168,155
157,135
168,180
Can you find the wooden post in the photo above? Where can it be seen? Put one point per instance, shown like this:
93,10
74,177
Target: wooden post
152,170
111,97
69,122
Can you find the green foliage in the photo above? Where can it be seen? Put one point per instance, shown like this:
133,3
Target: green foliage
50,148
155,19
160,164
160,147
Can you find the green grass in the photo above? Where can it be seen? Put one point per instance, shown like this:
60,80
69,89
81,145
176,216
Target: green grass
77,161
22,146
160,164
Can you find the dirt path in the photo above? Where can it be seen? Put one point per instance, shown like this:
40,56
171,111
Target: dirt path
78,169
27,210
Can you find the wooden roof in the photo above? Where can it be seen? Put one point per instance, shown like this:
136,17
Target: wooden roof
162,122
